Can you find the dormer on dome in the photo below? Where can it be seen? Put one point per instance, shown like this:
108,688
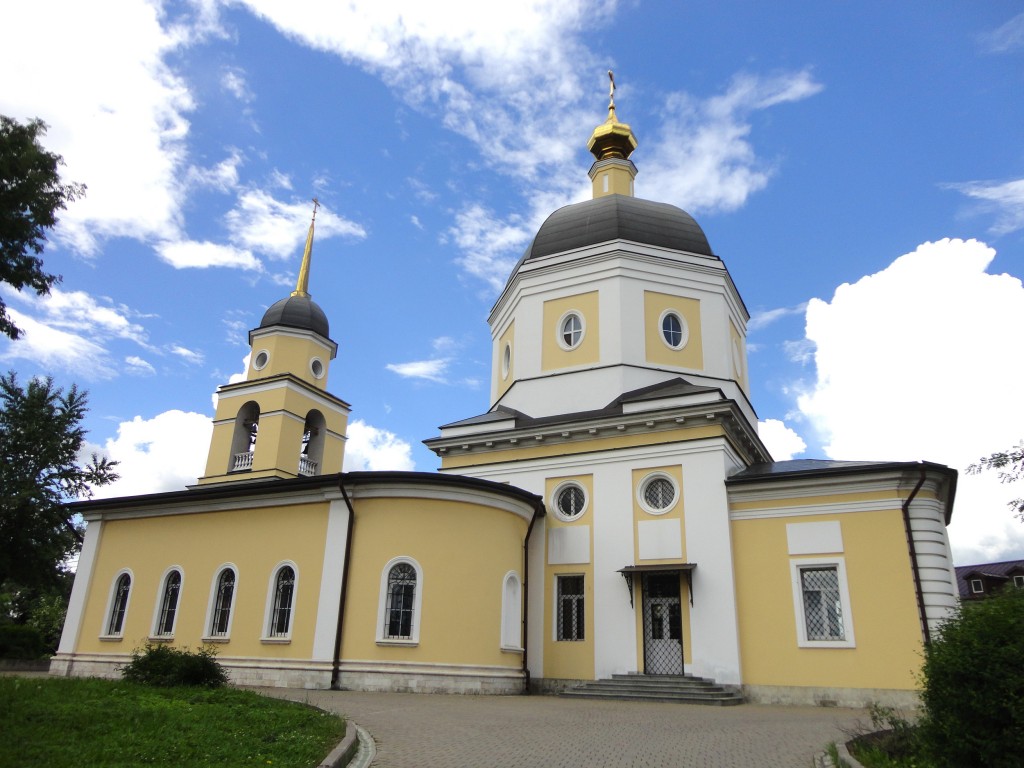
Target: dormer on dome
281,421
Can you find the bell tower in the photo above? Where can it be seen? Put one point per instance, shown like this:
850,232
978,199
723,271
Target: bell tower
281,422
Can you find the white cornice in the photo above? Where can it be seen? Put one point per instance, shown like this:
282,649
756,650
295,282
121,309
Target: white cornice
433,491
322,398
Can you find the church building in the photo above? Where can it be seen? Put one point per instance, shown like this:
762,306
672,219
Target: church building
612,512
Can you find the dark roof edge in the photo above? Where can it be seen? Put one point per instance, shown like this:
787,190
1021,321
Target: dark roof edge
255,488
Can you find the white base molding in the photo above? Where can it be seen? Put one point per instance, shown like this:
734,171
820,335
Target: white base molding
830,697
407,677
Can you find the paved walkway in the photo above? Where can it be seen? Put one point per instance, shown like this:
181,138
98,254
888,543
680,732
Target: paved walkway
435,731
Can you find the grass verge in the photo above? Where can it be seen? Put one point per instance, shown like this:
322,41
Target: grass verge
115,724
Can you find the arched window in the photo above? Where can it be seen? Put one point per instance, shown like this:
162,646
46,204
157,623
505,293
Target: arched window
223,599
571,331
119,604
401,598
401,594
511,612
243,443
311,452
283,599
168,604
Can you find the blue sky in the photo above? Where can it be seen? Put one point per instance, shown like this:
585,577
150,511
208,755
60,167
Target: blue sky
858,166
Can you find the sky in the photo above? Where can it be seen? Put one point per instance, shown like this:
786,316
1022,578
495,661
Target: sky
859,167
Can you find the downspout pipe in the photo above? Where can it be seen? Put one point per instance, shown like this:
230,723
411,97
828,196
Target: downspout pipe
913,560
526,597
336,664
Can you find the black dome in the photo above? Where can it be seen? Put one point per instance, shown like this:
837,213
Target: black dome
297,312
615,217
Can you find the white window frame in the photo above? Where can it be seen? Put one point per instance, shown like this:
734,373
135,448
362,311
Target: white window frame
211,607
684,329
105,634
839,564
417,604
558,491
647,480
313,363
268,613
158,609
512,612
561,324
557,606
1018,580
256,366
506,360
977,587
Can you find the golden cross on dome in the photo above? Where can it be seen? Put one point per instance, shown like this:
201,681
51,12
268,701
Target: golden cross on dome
316,204
611,90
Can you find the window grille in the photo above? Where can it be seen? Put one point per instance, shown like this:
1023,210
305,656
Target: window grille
169,604
570,608
117,611
823,611
571,501
284,593
398,614
659,493
672,330
222,606
572,331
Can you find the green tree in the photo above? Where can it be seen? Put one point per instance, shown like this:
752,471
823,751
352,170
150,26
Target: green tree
973,691
41,469
1010,465
31,194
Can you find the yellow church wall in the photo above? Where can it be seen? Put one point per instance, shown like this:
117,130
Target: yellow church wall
255,541
883,607
503,382
588,352
290,354
675,512
569,659
464,550
521,452
691,355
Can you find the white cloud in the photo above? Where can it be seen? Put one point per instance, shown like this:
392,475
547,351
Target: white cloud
702,158
138,366
415,220
489,244
431,370
1004,199
1007,37
765,317
165,453
54,349
69,330
223,176
183,254
921,361
263,224
116,112
369,448
782,442
233,81
188,355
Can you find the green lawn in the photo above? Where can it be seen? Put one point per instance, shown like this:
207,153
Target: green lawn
111,724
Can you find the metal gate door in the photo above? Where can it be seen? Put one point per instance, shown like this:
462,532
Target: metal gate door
663,624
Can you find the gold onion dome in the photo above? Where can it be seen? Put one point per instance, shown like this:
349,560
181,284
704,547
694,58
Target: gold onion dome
612,139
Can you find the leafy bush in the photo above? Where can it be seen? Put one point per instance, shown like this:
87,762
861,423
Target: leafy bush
973,679
891,741
167,666
20,641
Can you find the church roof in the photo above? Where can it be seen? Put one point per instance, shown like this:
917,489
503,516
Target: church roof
297,312
618,217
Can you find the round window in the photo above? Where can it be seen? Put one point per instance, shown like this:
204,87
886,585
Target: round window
674,331
570,501
657,494
570,330
506,361
262,358
317,367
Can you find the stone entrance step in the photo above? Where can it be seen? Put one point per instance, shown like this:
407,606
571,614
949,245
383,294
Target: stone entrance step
680,689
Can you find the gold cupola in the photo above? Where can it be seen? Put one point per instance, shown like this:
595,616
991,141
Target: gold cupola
611,143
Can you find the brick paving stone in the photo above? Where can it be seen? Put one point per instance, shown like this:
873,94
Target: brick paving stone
451,731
